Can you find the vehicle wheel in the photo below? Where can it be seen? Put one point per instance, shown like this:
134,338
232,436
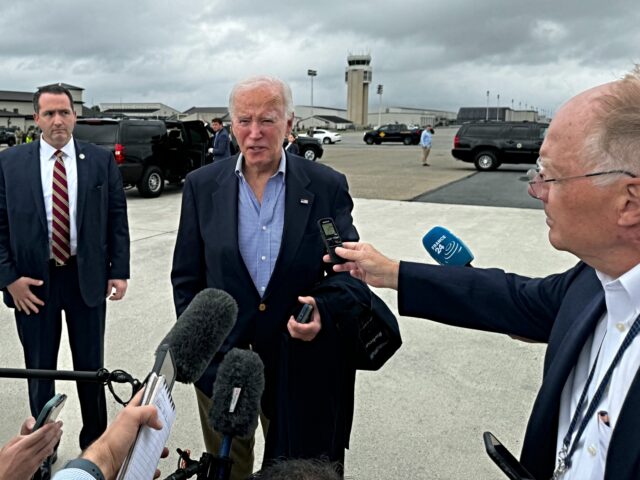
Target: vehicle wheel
407,141
151,184
377,141
11,142
326,140
310,154
369,141
486,161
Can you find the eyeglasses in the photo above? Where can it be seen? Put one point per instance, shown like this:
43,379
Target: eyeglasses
540,187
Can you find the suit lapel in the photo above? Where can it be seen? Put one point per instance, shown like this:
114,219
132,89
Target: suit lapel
35,182
297,208
82,167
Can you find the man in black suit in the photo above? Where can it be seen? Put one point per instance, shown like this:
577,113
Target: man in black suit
584,424
248,226
64,246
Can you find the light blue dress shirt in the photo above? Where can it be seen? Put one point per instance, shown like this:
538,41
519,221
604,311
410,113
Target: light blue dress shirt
260,225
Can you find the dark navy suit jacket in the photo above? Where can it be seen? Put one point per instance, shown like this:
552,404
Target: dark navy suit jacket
561,310
102,226
207,255
220,144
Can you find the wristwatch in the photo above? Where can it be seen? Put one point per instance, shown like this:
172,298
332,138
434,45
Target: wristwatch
86,465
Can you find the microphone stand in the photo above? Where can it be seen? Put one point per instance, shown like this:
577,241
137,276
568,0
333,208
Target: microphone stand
209,467
102,376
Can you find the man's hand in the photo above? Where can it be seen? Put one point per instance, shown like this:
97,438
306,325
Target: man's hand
306,331
109,451
23,298
21,457
120,287
367,264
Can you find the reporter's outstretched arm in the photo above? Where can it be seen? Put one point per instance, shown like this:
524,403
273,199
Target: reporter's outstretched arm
366,263
21,457
109,451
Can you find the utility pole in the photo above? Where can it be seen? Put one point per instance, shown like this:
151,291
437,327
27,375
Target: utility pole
498,108
380,88
312,73
487,116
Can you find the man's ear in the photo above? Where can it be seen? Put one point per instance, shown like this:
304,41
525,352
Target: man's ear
630,214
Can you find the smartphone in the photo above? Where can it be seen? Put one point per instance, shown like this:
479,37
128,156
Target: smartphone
330,238
165,365
305,313
50,411
503,458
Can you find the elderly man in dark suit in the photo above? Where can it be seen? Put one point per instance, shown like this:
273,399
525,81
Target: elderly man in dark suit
248,226
585,422
64,246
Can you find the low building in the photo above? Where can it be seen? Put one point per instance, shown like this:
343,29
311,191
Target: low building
493,114
138,110
16,108
206,114
411,116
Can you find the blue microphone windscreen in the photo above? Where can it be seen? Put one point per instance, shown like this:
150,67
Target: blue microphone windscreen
446,248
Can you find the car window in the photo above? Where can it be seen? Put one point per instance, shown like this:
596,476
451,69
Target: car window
542,133
384,129
143,133
100,133
517,132
483,130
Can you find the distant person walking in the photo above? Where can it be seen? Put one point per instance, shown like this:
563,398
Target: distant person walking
425,143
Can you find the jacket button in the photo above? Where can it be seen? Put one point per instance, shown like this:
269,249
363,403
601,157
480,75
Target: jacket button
262,307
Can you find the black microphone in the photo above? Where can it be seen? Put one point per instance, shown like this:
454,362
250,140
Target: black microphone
200,331
236,396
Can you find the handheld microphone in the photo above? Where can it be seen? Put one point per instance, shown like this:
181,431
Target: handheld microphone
236,396
446,248
200,331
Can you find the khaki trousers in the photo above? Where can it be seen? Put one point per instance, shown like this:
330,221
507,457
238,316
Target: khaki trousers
241,449
425,154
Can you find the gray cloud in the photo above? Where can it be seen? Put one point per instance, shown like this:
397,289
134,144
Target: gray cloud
438,54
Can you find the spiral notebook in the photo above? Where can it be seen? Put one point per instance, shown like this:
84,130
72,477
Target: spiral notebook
143,458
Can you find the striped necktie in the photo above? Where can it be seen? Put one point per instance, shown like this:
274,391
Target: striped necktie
60,226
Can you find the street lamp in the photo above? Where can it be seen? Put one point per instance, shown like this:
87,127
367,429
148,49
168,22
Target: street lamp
487,116
497,107
380,88
312,73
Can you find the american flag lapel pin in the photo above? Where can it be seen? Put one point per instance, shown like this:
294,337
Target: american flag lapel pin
304,201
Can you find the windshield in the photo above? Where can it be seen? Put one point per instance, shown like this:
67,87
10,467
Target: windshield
100,133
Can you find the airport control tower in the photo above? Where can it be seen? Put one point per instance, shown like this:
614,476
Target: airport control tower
358,77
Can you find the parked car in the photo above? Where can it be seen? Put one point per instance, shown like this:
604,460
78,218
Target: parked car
393,132
7,137
148,152
490,144
308,147
325,136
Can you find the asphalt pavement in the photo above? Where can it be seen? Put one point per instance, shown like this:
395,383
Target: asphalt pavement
422,415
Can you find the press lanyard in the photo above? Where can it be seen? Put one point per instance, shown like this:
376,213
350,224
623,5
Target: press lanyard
568,448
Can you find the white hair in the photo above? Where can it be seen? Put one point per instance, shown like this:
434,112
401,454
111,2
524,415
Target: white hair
263,80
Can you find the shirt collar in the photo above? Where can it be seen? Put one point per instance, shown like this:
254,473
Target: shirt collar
47,150
282,167
622,293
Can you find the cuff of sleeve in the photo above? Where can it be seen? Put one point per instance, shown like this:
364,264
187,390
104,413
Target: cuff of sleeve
87,466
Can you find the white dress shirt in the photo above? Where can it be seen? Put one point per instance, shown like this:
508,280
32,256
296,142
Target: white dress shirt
47,161
622,297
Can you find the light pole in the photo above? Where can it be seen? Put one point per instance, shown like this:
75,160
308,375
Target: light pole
312,73
380,88
497,107
487,116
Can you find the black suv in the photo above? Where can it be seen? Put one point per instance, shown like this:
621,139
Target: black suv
148,152
8,137
488,145
393,132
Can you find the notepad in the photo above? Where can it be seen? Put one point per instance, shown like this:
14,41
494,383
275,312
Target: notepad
143,458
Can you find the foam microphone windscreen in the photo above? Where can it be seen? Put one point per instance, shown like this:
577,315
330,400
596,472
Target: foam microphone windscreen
200,331
236,394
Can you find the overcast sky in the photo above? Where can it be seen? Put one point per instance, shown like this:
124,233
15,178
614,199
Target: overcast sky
433,54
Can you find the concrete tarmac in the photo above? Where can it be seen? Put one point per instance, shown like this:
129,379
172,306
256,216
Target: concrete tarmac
422,415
